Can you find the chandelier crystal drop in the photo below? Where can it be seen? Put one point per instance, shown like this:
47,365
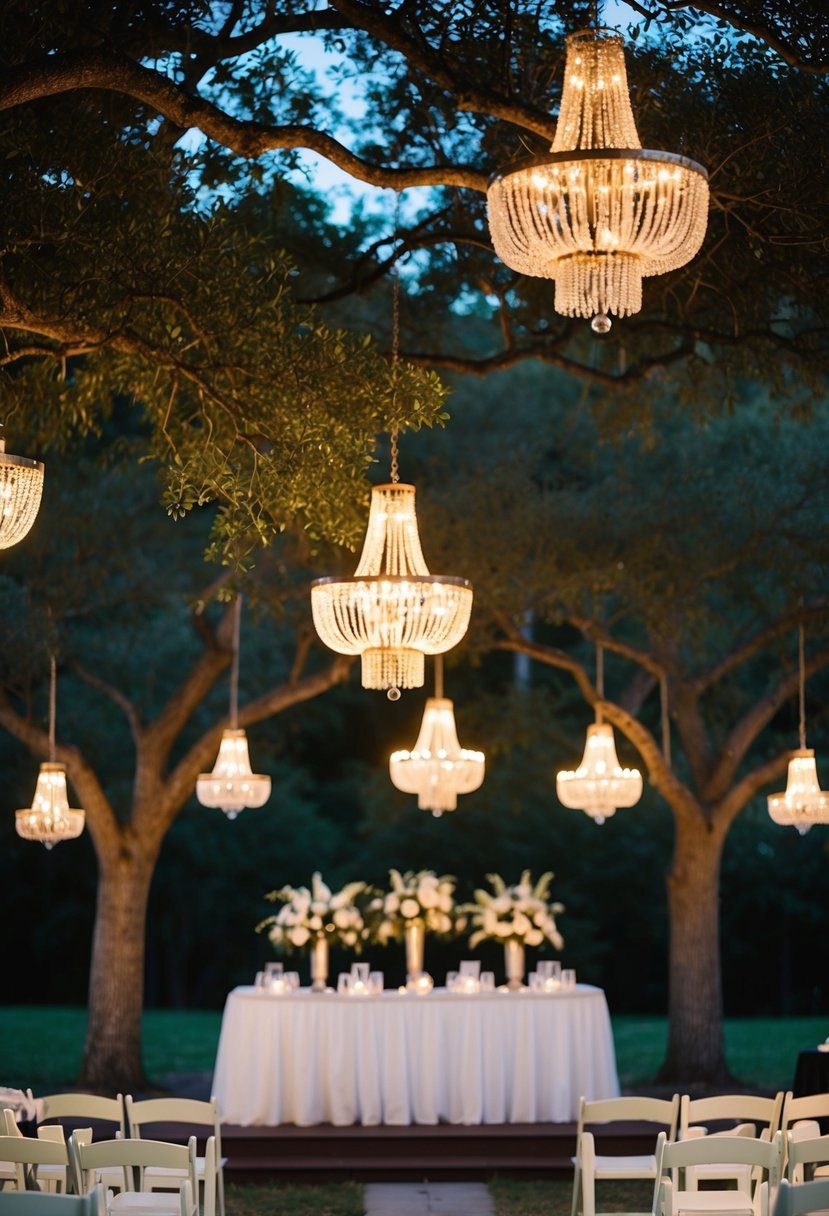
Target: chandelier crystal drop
599,213
437,769
393,611
21,488
50,819
599,785
231,785
804,803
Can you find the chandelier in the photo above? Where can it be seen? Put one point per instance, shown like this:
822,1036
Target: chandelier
599,785
231,785
438,768
599,212
393,611
50,819
21,486
804,803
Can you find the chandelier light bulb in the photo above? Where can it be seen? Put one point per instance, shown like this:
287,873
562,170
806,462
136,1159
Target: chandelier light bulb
437,769
599,785
598,213
231,785
50,819
393,611
21,488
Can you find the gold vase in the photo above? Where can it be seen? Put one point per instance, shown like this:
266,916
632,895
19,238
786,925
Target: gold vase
514,964
319,963
414,935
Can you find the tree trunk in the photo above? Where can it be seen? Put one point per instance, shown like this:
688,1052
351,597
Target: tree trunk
696,1053
112,1052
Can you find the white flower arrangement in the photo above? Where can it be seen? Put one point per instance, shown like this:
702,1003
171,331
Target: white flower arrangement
520,913
415,896
308,914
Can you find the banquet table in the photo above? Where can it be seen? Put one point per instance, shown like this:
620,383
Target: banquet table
400,1058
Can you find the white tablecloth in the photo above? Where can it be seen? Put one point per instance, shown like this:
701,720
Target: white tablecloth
398,1058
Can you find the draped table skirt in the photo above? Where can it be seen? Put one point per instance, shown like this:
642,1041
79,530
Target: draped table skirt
398,1058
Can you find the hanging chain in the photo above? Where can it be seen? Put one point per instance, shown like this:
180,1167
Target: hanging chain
395,338
666,719
801,669
53,681
599,678
234,666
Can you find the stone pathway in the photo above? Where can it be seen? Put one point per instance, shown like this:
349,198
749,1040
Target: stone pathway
428,1199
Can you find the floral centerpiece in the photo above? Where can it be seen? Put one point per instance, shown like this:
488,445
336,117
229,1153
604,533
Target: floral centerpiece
517,916
417,902
314,919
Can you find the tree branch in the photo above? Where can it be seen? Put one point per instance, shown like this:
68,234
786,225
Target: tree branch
111,70
115,695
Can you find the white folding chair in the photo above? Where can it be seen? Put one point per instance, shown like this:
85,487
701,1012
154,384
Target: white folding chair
49,1177
189,1112
35,1203
805,1156
802,1117
80,1108
28,1155
747,1111
590,1167
798,1200
672,1198
133,1157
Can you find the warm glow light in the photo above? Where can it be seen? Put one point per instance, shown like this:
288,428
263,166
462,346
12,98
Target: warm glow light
49,819
599,213
438,768
393,611
21,487
599,785
804,803
231,785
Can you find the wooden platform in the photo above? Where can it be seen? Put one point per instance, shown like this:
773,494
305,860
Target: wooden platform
446,1152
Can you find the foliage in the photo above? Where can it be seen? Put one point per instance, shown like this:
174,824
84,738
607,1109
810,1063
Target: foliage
334,1199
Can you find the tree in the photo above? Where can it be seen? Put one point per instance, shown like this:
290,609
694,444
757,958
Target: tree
451,93
690,557
105,567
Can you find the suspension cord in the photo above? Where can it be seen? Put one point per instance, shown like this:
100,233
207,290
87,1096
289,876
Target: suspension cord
53,682
801,668
395,337
599,678
234,665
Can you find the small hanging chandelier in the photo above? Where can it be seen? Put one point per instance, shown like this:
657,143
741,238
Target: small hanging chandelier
50,819
804,803
599,212
393,611
438,768
231,785
599,785
21,487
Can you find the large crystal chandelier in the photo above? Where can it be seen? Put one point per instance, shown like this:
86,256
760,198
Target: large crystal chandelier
599,212
231,785
599,785
804,803
438,768
393,611
50,819
21,487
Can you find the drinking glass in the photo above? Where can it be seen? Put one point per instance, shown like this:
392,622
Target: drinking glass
568,979
359,973
471,967
344,983
451,980
487,981
375,982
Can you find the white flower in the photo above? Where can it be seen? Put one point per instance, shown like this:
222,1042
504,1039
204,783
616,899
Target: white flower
342,918
409,909
445,902
502,903
319,908
534,937
503,930
392,902
299,936
428,896
315,923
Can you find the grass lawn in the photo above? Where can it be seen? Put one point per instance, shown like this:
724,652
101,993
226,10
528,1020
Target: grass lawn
40,1046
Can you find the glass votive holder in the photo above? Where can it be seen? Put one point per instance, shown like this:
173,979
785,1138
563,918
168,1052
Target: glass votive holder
273,970
451,980
292,980
359,974
535,982
471,967
568,979
344,983
259,982
549,968
487,981
375,982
